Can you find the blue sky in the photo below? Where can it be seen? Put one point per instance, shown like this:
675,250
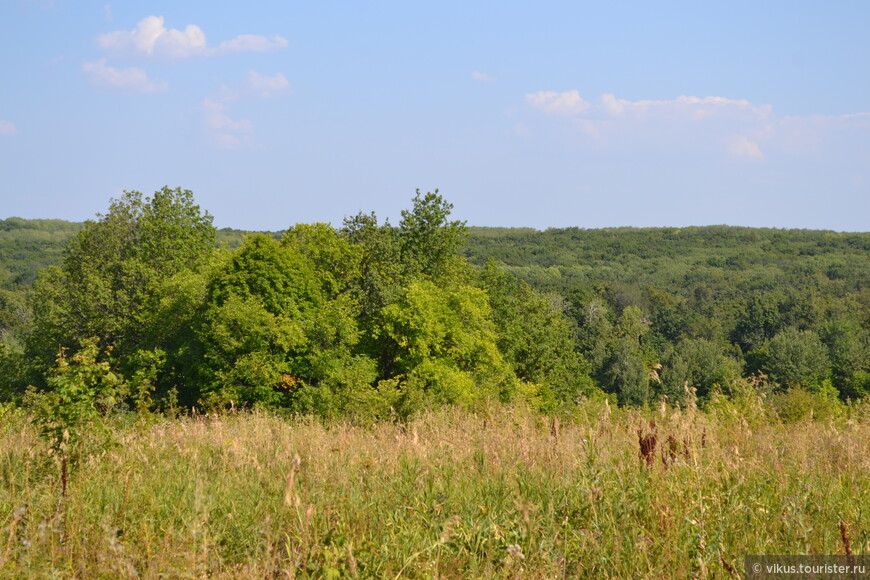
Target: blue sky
541,114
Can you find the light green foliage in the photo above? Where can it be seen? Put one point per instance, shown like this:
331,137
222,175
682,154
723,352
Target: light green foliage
797,404
743,404
632,324
82,390
27,246
148,365
278,275
336,261
14,316
445,344
299,322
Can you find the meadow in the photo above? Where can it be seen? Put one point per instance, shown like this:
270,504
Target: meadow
497,492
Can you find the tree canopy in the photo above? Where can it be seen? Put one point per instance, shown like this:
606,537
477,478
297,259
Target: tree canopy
373,320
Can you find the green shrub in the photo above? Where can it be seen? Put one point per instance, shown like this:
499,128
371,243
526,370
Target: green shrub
797,404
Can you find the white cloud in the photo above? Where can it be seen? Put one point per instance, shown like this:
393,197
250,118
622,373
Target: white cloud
268,86
251,43
690,126
686,107
224,132
565,103
742,147
152,38
686,123
133,80
218,120
7,128
482,77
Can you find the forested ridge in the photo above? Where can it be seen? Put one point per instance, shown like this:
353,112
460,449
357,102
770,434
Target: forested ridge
150,306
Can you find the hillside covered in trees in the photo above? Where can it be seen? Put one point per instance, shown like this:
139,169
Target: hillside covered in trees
150,305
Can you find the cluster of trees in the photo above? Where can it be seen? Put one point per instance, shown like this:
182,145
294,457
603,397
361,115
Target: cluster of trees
688,312
150,303
369,319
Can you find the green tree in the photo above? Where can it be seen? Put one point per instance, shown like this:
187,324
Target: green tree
445,345
424,245
14,316
697,364
380,271
271,333
849,349
535,337
626,373
796,357
83,389
429,241
13,373
632,324
113,266
761,320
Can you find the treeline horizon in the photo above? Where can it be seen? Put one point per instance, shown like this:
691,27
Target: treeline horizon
150,306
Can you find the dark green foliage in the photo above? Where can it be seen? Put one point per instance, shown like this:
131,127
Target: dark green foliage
697,364
626,374
734,289
429,242
796,357
536,338
12,373
113,267
380,268
848,346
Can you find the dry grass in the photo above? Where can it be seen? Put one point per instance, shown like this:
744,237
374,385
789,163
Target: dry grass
452,494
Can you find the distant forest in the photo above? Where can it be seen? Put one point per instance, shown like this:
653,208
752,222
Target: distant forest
373,319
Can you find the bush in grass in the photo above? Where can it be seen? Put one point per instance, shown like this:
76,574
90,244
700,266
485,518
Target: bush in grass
743,401
797,403
83,389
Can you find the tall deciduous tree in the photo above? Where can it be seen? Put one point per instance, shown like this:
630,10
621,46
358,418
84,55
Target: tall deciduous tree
113,266
535,337
445,345
277,330
796,357
430,241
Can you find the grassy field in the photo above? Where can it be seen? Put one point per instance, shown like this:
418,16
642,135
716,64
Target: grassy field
500,493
